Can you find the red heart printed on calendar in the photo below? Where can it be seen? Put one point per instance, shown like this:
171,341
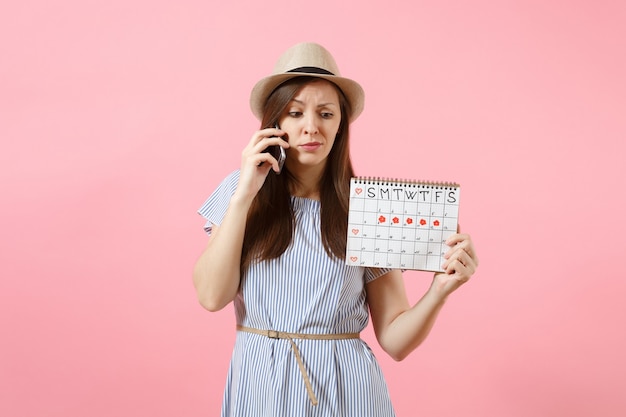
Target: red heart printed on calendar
358,191
355,231
353,258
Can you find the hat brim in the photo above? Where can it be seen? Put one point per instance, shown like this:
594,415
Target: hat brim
351,89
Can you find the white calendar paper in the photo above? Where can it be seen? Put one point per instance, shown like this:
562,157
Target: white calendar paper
400,224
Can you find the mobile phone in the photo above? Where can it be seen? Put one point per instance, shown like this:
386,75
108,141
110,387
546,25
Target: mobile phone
278,152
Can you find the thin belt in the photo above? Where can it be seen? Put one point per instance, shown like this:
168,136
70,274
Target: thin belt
273,334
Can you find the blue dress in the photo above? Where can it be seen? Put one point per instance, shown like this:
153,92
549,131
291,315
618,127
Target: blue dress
303,291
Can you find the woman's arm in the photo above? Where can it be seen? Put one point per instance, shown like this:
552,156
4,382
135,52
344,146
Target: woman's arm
217,272
401,328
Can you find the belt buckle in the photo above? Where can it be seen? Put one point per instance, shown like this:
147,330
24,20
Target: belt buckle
272,334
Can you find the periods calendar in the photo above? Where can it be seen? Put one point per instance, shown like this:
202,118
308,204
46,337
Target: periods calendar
400,223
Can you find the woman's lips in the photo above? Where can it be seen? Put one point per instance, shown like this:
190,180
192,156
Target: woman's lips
311,146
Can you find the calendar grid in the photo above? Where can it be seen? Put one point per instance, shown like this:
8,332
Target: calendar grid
400,224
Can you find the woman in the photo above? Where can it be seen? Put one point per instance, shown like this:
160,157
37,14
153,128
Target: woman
277,248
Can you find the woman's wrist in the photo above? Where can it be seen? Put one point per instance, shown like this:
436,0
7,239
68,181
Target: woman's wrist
438,292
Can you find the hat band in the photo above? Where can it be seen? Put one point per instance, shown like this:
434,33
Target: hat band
311,70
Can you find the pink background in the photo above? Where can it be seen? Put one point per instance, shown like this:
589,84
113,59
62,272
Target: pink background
118,118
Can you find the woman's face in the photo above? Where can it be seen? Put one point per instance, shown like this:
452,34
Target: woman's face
311,121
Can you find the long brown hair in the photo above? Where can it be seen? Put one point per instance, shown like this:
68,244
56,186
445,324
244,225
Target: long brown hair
270,222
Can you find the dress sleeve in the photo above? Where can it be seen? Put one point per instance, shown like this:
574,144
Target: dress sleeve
372,273
214,208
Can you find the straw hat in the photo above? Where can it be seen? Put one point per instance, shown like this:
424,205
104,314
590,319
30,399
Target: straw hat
312,60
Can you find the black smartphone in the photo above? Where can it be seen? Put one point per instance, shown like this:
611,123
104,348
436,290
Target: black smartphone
278,152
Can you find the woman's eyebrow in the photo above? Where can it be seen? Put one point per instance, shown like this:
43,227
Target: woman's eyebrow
330,103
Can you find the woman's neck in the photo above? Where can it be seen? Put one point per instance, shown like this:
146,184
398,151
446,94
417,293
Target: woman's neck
307,182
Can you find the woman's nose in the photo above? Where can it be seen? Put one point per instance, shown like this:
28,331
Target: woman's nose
310,125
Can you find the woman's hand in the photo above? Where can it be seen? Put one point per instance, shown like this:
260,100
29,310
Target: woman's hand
256,164
460,264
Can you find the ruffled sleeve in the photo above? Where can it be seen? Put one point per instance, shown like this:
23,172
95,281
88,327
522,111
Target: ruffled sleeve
372,273
214,208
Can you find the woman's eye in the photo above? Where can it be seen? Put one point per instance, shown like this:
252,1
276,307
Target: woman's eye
327,115
295,113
